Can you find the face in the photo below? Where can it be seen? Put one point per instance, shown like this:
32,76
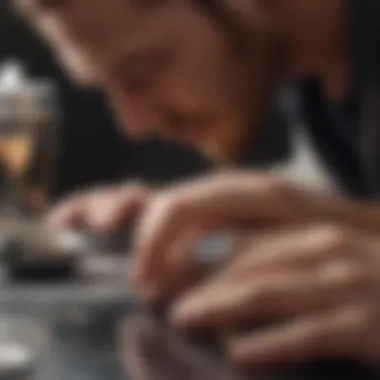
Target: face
169,69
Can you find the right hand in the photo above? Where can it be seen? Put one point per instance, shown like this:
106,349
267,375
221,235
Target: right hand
101,210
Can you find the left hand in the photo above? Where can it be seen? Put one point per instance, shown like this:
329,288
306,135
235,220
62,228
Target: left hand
322,283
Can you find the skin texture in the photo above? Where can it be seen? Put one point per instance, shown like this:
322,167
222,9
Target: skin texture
175,70
168,69
171,69
321,282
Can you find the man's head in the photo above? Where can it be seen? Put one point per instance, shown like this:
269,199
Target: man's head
200,70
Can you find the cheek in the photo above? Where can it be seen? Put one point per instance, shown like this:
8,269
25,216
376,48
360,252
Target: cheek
200,76
198,91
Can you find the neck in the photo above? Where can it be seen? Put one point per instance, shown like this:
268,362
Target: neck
315,33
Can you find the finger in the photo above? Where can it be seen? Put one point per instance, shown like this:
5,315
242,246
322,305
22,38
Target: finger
292,248
270,295
205,205
180,271
102,210
173,273
162,230
218,304
329,335
68,213
109,210
98,205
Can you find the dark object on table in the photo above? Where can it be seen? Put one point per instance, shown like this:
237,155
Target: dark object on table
34,253
25,266
40,272
31,253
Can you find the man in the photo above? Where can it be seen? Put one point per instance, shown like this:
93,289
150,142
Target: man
207,72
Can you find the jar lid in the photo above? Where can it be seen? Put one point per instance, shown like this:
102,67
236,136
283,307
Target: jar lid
22,97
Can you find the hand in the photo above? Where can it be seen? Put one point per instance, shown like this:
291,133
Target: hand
175,219
102,210
321,283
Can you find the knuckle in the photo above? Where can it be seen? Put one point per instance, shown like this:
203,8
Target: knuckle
335,239
282,195
168,204
352,274
133,198
263,292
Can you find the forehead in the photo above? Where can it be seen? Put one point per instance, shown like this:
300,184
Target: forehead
88,22
104,24
98,30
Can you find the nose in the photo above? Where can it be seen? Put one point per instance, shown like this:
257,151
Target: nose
138,115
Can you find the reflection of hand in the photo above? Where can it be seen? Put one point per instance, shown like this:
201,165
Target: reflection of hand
148,352
322,282
175,218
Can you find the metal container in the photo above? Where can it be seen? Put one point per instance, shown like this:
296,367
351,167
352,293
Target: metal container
22,99
29,117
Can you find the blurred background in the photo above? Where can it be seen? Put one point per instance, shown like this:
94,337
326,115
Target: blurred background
90,151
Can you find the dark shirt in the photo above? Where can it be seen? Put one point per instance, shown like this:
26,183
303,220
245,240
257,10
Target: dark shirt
346,134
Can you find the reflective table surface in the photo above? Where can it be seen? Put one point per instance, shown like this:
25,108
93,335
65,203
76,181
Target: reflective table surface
117,340
94,328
